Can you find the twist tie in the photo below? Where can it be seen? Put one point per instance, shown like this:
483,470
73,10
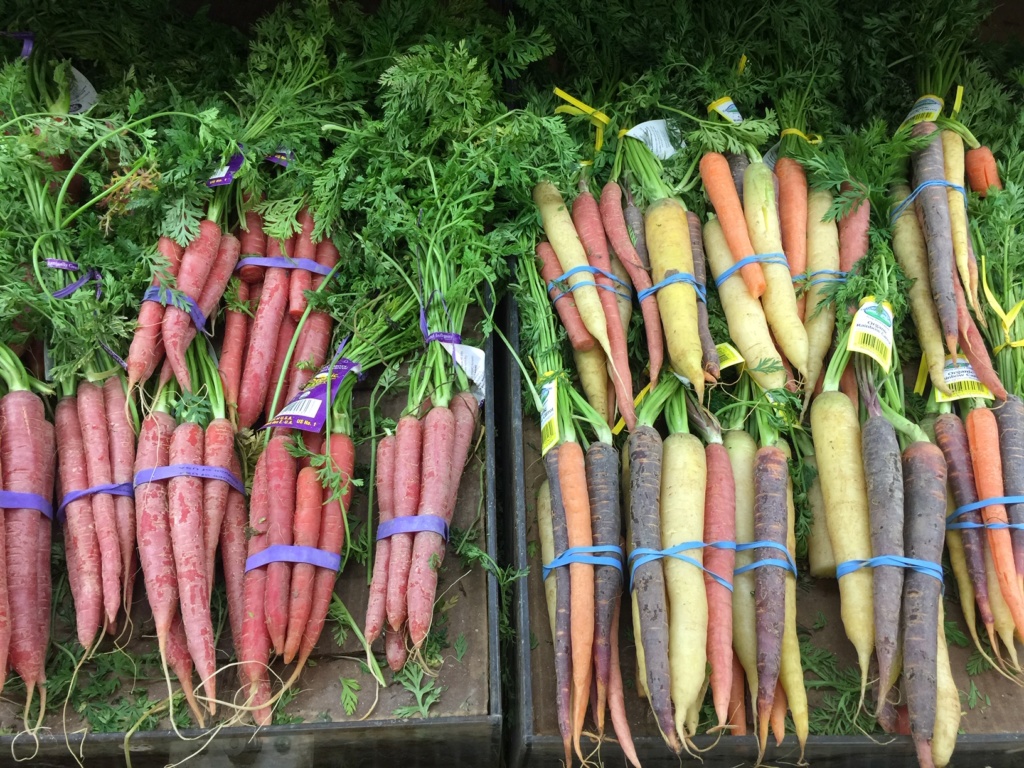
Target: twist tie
810,138
975,506
678,277
284,262
177,299
763,258
188,470
290,553
115,489
895,561
556,284
586,556
413,524
909,199
18,500
644,555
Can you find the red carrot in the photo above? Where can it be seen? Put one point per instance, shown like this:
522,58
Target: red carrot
375,606
408,454
281,475
737,700
301,280
305,533
284,341
565,304
719,525
315,336
49,440
793,218
236,331
122,457
254,652
853,233
181,664
185,512
146,350
218,451
973,345
93,419
254,243
394,649
232,556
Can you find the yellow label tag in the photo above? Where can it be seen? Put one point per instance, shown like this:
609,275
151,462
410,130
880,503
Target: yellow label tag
922,375
621,425
727,109
742,65
728,356
871,332
576,107
925,109
548,416
962,382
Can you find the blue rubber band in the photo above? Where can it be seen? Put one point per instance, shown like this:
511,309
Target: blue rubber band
975,506
202,471
909,199
586,556
554,285
678,277
166,296
831,276
788,563
757,258
18,500
644,555
895,561
115,489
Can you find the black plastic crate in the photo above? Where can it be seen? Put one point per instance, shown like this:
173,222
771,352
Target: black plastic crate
532,735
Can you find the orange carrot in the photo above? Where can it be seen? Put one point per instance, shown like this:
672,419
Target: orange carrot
982,172
793,217
385,480
779,714
616,699
254,243
408,455
718,182
282,469
146,350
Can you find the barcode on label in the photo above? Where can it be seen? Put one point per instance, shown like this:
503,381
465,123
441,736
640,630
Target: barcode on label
963,387
307,407
872,342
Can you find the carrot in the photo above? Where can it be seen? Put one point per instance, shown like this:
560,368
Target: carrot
236,329
146,349
951,437
565,304
973,346
284,341
185,512
394,649
408,455
93,419
218,451
385,480
645,460
254,653
122,456
947,702
44,545
1001,615
282,469
883,476
315,336
196,263
232,557
623,299
255,293
573,481
428,547
254,243
793,218
853,232
614,221
561,636
738,163
261,353
331,539
616,700
709,352
301,280
778,716
719,525
1010,418
718,183
820,557
586,217
924,477
953,159
156,553
602,469
181,664
933,210
791,673
308,505
737,706
983,438
982,171
593,373
747,325
822,257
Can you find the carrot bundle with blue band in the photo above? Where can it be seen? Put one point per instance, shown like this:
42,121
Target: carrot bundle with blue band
788,563
555,285
895,561
642,556
678,277
587,556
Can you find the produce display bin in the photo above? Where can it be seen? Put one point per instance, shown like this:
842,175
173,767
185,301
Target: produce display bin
463,728
993,734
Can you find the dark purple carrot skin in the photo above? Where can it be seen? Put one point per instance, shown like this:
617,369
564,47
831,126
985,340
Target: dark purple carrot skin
771,473
602,463
883,473
933,207
1010,418
738,165
709,352
924,482
951,436
635,224
563,651
645,454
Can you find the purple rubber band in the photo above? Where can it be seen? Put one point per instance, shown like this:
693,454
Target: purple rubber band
28,40
413,524
289,553
114,489
89,276
188,470
117,358
283,262
166,296
67,266
18,500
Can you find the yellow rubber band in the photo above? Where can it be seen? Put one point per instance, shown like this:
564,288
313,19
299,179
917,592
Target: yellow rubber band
958,101
742,65
812,138
624,131
1006,319
577,107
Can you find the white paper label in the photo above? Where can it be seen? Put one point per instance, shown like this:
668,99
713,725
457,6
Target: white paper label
654,133
727,109
473,362
83,95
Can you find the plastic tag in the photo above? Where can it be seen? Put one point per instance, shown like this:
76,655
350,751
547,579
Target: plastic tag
771,157
727,109
962,382
548,416
655,134
683,379
47,363
281,157
226,173
83,95
473,362
922,375
925,109
871,333
308,409
728,356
